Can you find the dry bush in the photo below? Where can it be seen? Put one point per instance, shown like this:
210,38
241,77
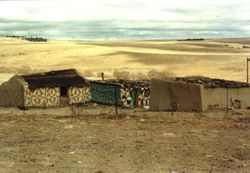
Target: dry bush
140,76
38,70
121,74
160,74
156,74
6,70
99,74
19,70
169,73
24,69
88,73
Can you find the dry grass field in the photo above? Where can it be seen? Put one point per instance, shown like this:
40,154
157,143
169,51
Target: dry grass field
220,58
93,139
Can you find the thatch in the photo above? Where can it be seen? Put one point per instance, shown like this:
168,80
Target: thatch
212,83
60,78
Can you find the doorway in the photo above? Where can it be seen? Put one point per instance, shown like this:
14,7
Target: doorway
64,99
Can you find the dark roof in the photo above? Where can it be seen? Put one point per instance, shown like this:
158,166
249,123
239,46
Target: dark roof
106,83
212,83
59,78
133,83
125,83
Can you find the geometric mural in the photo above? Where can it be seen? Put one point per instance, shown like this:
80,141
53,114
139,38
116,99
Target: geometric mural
143,97
42,97
135,97
78,95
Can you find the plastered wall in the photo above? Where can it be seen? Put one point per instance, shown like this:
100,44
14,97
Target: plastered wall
186,97
216,98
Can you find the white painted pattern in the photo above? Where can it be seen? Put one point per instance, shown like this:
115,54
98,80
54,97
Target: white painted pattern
42,97
78,94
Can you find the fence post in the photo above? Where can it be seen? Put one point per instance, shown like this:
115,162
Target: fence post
116,104
227,100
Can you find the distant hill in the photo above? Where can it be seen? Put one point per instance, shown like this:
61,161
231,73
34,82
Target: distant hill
192,39
34,39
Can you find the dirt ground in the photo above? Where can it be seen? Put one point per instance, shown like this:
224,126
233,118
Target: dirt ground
57,140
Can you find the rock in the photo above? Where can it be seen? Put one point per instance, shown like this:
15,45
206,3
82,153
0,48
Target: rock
99,171
142,120
68,127
173,172
169,134
146,107
71,152
242,165
127,117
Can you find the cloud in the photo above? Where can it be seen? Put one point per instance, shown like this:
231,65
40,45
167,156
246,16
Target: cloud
109,29
130,19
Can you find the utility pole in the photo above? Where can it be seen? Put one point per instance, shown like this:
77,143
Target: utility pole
248,59
102,76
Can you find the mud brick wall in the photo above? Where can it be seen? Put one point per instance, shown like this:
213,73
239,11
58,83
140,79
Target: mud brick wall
42,97
126,96
216,98
142,97
78,95
165,94
11,93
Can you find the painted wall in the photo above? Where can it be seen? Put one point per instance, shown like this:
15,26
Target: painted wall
78,95
42,97
11,93
214,98
143,97
104,93
135,97
185,97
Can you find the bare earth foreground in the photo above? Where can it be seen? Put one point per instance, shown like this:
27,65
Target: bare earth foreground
46,141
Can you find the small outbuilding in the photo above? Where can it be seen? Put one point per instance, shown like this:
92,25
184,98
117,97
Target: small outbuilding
198,94
129,94
49,89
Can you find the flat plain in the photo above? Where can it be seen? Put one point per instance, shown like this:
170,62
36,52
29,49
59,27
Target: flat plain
218,58
93,139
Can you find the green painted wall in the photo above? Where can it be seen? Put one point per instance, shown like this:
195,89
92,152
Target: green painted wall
105,93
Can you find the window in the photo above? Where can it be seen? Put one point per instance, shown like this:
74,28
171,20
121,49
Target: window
63,91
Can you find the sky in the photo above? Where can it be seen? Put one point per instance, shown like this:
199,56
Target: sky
126,19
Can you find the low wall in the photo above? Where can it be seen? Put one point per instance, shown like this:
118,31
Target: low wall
217,98
186,97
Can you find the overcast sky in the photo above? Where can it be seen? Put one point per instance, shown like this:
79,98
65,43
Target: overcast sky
126,19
